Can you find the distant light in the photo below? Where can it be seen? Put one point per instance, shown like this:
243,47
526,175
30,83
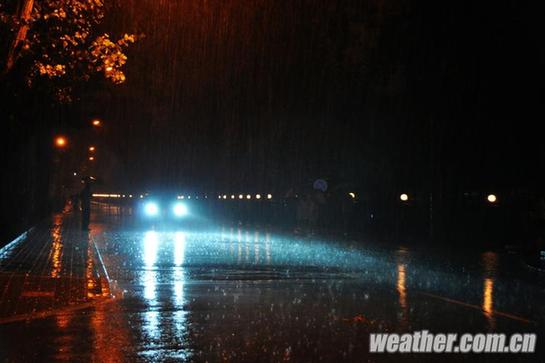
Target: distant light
60,141
353,195
269,196
130,195
248,196
258,196
97,123
91,148
492,198
179,209
404,197
151,209
123,195
141,196
189,197
232,196
91,158
224,196
219,196
109,69
75,174
240,196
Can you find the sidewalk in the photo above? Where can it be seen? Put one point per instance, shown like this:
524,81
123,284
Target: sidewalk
54,265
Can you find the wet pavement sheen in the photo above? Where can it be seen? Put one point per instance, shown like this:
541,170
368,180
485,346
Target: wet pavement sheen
215,293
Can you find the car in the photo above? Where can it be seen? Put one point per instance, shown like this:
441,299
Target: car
163,207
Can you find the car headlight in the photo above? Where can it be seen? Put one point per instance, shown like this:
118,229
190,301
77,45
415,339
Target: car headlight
151,209
179,209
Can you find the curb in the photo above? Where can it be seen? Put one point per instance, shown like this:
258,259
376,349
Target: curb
16,241
49,313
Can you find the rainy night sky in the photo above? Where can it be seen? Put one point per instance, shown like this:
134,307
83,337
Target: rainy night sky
274,94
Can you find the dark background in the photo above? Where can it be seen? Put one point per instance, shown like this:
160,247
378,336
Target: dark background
434,98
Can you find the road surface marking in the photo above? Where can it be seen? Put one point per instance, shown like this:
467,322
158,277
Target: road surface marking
476,307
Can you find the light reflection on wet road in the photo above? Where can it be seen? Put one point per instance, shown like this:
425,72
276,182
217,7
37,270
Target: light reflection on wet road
222,293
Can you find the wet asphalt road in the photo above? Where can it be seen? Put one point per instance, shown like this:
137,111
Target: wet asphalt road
224,293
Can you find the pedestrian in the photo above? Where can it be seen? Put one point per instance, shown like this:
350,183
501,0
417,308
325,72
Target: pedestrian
85,199
74,201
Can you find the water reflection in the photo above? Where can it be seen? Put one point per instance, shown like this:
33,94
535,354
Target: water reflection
402,256
489,263
231,243
151,245
179,275
180,315
63,342
62,320
165,317
151,326
268,248
57,246
89,268
248,243
110,334
239,244
247,249
488,301
149,280
256,247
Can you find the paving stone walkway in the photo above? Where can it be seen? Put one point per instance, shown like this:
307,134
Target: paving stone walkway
54,265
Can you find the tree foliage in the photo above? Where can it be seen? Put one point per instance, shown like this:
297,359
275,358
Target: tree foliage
59,41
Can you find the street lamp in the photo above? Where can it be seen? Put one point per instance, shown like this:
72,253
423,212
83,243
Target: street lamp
60,142
492,198
404,197
96,123
91,158
91,148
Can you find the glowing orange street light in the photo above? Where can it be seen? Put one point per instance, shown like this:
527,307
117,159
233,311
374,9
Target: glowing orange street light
91,148
60,141
97,123
91,158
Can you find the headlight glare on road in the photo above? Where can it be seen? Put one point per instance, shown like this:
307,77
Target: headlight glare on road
179,209
151,209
